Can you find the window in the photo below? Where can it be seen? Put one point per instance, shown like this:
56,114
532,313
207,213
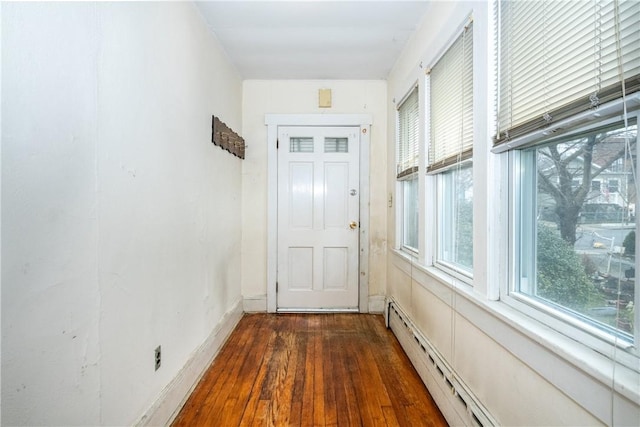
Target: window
336,145
455,218
565,72
450,151
301,145
579,257
410,213
407,167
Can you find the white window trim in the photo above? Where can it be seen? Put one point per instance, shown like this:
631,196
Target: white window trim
486,283
452,270
400,215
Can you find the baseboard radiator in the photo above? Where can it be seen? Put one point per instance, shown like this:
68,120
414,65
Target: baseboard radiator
456,402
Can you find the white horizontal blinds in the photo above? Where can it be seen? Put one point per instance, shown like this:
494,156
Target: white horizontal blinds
559,58
408,121
301,145
451,104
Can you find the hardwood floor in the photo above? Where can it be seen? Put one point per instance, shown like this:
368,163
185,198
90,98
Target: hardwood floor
310,370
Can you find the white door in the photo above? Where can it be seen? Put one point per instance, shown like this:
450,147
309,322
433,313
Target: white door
318,218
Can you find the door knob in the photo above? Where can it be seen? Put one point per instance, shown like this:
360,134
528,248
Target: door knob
353,225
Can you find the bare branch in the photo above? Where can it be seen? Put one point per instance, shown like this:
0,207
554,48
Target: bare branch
548,186
618,155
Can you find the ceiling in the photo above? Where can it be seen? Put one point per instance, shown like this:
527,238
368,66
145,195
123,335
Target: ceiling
313,39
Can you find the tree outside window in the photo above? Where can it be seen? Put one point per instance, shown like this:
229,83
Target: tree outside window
579,229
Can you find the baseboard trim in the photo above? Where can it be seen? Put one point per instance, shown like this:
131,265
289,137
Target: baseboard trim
377,304
258,304
175,394
255,304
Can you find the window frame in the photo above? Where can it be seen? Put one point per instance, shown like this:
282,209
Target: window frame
437,168
568,120
562,321
407,175
450,267
402,206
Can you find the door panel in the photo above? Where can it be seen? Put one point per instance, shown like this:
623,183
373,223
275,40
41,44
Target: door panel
301,196
300,262
336,268
336,199
318,217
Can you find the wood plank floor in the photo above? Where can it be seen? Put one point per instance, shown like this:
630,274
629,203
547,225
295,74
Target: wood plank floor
310,370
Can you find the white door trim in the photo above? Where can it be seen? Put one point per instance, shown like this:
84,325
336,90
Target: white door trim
273,121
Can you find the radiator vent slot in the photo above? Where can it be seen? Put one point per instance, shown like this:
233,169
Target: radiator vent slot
461,399
476,413
450,385
476,420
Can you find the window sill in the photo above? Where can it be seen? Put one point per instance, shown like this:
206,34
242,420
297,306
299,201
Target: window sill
408,252
443,275
575,368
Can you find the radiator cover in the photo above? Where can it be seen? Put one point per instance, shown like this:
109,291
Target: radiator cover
455,400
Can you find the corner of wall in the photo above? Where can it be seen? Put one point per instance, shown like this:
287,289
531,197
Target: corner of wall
377,304
255,304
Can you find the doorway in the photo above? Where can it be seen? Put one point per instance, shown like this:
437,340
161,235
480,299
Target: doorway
318,213
318,218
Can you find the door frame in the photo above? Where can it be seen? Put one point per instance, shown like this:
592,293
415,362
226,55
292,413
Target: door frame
273,121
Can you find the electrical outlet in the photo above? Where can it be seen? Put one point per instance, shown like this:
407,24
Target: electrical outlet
158,357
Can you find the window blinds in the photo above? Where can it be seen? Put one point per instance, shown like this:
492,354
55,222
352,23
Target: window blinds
451,104
408,121
559,58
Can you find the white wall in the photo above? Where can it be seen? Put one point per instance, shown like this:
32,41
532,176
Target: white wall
0,211
120,220
524,373
301,97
